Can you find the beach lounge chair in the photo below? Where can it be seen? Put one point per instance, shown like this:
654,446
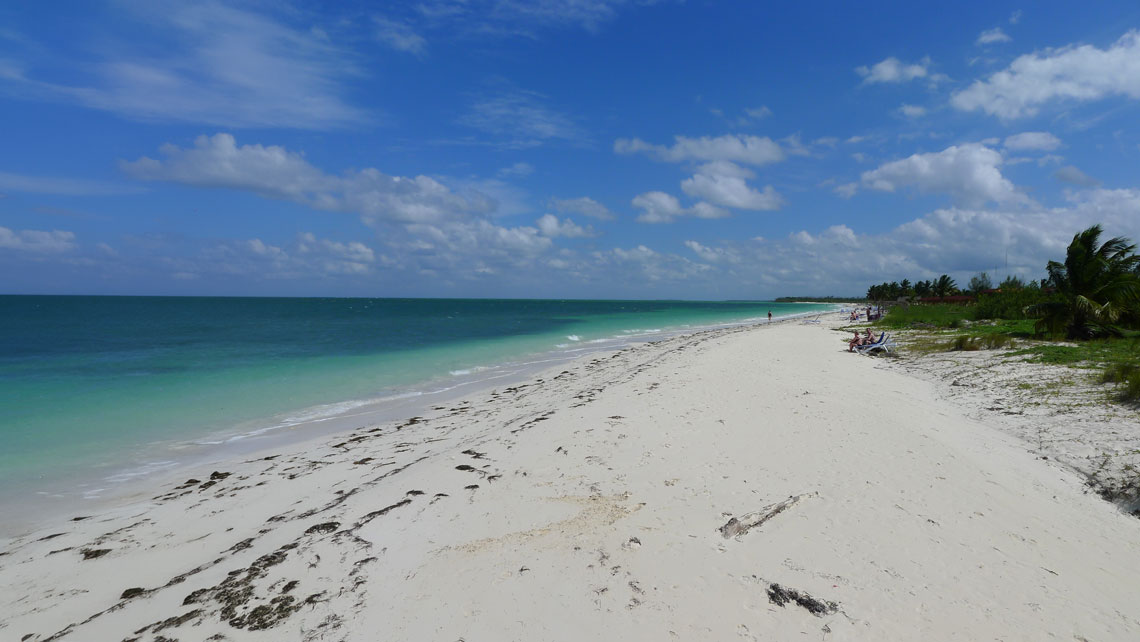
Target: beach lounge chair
884,343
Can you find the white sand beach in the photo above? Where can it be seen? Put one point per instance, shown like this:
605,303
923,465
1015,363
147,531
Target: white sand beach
597,502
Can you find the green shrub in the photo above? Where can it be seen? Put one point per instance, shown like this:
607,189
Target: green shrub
964,343
1131,390
1008,304
1119,372
1126,374
1127,378
985,342
937,315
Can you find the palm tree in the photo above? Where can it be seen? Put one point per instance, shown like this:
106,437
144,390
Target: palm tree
1096,284
944,286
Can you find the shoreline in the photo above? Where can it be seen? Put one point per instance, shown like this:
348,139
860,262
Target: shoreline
598,499
98,486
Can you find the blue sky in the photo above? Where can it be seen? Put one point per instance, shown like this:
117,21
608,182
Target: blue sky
584,148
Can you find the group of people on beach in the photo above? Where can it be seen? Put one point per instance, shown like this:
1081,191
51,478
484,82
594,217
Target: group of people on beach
871,316
858,340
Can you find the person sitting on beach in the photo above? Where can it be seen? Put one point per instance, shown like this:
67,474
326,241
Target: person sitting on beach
869,339
857,341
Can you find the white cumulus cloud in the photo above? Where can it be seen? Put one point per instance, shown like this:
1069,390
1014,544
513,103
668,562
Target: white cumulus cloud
275,172
1078,73
724,183
659,207
970,172
429,229
956,241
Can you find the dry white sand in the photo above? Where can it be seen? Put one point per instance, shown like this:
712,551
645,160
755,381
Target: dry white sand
590,505
1061,413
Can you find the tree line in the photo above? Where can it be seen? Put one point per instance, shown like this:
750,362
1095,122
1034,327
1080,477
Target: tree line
1093,293
945,286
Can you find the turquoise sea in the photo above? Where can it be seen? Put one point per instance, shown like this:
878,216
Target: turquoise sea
102,388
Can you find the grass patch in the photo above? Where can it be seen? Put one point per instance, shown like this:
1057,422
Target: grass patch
1119,360
1099,352
939,315
944,327
1119,372
1053,355
965,342
1130,391
953,317
1012,328
955,328
1125,373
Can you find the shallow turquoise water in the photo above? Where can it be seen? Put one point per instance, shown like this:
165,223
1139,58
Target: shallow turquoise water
96,382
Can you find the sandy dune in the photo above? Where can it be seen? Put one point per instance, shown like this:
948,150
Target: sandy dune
598,503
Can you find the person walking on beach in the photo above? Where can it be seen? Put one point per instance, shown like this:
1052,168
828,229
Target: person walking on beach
769,316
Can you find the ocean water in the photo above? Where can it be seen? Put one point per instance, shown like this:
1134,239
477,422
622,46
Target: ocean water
96,390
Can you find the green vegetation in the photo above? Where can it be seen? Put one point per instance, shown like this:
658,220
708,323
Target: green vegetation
1092,300
1099,352
1094,293
1097,286
1118,359
991,341
1126,375
980,283
944,286
934,316
819,299
1012,302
